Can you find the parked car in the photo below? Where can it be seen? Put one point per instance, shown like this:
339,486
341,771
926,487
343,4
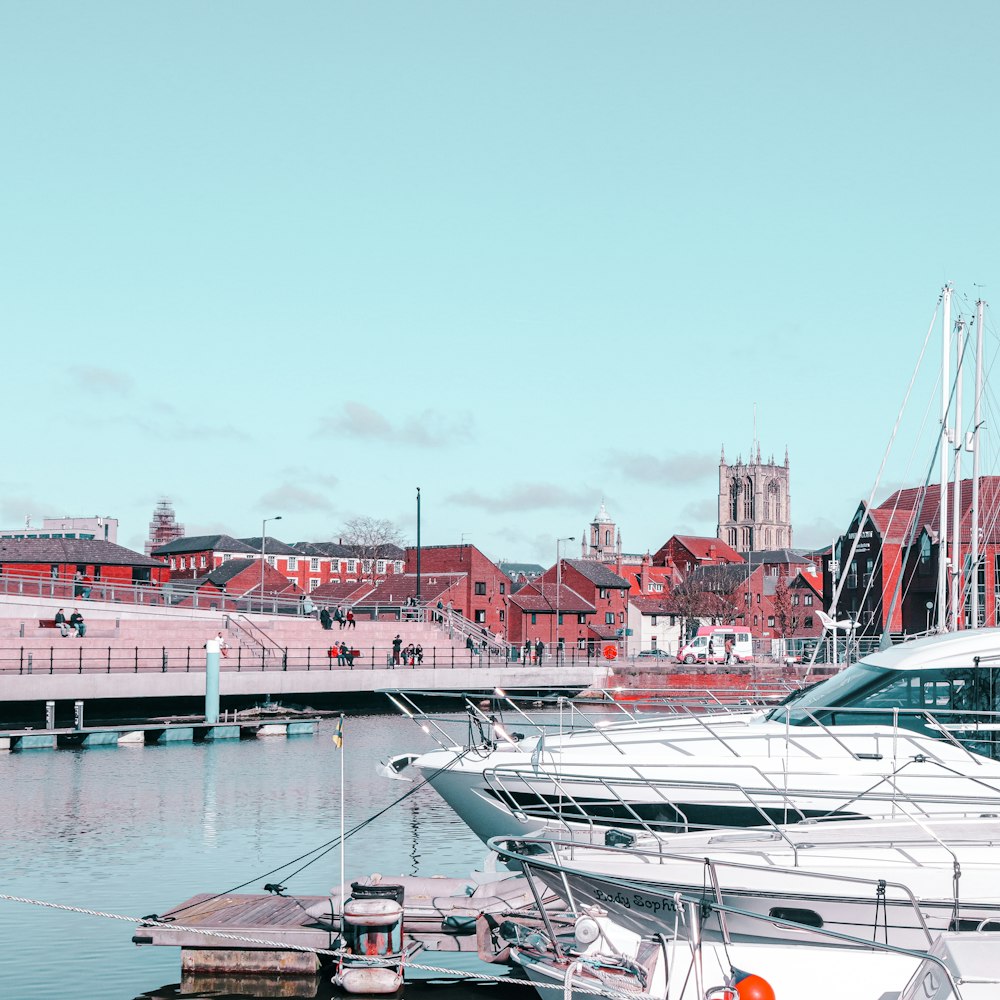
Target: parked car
658,654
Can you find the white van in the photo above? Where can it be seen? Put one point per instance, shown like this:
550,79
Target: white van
697,650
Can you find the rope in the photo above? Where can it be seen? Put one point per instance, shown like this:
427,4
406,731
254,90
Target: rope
331,952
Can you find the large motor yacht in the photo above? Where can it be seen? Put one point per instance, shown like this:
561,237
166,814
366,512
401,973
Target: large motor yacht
916,722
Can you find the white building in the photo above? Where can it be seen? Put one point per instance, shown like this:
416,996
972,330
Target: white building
102,529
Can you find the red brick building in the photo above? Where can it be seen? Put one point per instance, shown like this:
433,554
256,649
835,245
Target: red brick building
238,584
687,552
483,595
198,555
590,605
60,559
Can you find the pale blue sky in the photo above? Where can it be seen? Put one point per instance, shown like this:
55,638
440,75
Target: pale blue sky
301,258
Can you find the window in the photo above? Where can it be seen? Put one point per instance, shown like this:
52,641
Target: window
734,504
731,537
271,561
748,539
336,579
313,584
352,565
380,566
183,562
293,563
173,563
758,598
621,617
581,619
366,565
653,620
503,617
795,599
226,556
852,577
480,617
314,565
770,621
607,537
203,562
480,589
808,600
652,642
609,618
503,588
755,621
560,618
866,577
534,618
807,622
602,592
748,499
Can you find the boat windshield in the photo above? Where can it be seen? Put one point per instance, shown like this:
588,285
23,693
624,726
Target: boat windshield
842,689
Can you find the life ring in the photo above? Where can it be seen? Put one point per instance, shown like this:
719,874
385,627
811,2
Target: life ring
610,652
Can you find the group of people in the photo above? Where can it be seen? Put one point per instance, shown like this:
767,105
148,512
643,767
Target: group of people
538,649
344,619
344,654
74,622
411,656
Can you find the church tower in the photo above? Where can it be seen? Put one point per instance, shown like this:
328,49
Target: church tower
754,504
604,542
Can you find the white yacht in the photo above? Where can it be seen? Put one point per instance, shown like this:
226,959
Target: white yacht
917,722
899,882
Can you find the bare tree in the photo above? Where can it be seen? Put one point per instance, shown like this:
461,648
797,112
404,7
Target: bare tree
784,616
372,539
712,593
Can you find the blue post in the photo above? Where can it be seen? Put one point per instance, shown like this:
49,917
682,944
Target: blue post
212,680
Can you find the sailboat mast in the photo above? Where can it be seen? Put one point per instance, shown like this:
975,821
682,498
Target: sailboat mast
942,579
955,618
976,442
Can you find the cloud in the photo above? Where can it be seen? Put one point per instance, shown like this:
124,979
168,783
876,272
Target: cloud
819,532
702,510
102,381
293,498
523,497
670,470
14,508
429,429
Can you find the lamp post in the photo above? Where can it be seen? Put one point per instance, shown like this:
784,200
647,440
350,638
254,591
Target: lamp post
559,541
263,550
418,546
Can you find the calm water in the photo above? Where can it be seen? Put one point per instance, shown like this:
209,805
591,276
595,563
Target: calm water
137,830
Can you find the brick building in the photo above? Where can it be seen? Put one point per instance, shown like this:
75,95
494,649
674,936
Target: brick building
483,595
60,559
687,552
237,582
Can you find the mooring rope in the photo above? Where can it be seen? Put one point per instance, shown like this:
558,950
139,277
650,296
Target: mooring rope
331,952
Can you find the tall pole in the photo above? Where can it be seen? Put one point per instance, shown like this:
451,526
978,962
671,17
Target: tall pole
942,580
956,509
263,553
418,545
976,424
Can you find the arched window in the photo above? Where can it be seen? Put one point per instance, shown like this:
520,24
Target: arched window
748,500
607,537
748,539
767,538
773,500
731,537
734,499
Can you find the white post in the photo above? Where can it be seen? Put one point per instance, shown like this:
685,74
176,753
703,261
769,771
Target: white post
343,893
957,603
942,580
976,421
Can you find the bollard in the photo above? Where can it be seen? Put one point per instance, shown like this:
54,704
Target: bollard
30,657
22,630
212,680
50,715
78,715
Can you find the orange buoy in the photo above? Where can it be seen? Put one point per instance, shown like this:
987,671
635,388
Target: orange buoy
749,987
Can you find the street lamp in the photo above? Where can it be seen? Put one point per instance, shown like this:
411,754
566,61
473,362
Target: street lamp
559,541
263,550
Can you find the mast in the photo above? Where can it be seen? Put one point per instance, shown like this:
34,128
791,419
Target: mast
942,580
957,602
976,423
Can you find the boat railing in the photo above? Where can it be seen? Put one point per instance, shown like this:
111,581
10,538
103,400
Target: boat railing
530,852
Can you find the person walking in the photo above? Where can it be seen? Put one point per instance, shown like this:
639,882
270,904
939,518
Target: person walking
539,651
729,651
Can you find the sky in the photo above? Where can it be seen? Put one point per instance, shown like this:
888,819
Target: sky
303,258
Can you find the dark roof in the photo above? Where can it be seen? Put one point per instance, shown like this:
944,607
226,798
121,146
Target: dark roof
513,569
71,550
224,573
327,549
203,543
721,579
653,605
542,597
781,557
598,574
274,547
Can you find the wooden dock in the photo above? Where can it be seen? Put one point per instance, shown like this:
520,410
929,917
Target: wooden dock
279,920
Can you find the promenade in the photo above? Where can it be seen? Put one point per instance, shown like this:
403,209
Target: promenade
130,652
